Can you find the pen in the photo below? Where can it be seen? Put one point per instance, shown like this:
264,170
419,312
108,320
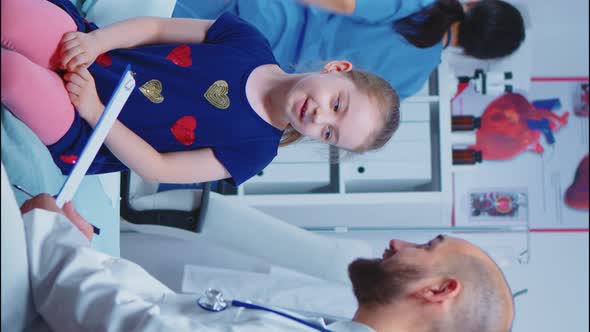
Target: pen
23,190
95,229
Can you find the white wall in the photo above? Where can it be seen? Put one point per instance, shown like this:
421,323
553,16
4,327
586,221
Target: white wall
557,280
560,37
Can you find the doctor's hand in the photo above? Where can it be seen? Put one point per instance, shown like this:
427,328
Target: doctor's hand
47,202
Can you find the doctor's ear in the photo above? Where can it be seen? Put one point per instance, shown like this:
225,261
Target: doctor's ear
440,291
337,66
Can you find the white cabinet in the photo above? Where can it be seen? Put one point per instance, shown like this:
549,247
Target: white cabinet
306,151
278,178
401,165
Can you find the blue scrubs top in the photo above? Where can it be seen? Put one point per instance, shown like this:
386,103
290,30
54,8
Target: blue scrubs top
188,96
302,37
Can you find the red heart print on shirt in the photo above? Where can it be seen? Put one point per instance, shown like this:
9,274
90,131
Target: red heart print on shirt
181,56
69,158
104,60
184,130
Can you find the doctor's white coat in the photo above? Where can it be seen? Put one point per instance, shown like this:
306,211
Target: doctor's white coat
76,288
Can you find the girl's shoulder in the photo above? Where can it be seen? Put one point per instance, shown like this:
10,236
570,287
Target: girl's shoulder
235,32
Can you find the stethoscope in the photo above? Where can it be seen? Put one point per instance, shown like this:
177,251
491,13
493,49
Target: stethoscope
213,301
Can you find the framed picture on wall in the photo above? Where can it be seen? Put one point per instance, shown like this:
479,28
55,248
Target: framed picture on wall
496,206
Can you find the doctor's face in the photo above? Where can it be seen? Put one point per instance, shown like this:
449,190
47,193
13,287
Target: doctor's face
329,107
386,279
403,264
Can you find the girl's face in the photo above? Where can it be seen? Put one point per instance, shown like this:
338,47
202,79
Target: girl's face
329,107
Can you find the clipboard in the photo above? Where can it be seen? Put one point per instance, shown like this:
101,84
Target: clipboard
99,134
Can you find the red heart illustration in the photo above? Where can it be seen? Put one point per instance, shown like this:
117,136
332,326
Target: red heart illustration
576,195
504,131
69,158
104,60
181,56
184,130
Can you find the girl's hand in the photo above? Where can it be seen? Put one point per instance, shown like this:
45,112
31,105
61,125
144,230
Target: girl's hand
82,93
78,49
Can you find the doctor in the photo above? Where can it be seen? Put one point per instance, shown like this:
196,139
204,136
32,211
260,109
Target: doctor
53,280
399,40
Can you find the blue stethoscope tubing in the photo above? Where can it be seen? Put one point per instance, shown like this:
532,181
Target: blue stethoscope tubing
252,306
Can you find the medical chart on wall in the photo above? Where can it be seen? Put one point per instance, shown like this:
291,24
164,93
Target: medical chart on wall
565,170
535,157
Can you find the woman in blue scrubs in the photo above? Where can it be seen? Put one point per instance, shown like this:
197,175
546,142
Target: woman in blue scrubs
399,40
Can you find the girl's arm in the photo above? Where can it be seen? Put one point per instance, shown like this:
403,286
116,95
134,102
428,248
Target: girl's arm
336,6
151,30
78,48
174,167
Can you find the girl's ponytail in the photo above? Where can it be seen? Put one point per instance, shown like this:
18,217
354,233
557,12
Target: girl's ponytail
427,27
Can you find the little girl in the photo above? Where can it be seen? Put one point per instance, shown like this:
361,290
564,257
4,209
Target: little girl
211,102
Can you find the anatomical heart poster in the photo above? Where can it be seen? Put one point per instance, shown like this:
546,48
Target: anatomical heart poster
535,140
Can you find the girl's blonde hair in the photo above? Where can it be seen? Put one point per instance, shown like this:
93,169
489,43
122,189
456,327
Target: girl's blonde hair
380,91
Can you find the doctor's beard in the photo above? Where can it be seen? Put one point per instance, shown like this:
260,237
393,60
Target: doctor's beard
376,284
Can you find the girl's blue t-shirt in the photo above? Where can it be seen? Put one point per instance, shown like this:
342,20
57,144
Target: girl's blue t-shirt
303,38
187,97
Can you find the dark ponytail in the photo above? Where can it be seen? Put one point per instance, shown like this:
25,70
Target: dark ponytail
491,29
427,27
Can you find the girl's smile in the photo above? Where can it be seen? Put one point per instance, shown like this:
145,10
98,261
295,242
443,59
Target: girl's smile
303,110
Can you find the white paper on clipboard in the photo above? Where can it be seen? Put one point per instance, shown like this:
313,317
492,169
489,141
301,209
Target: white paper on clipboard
99,134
